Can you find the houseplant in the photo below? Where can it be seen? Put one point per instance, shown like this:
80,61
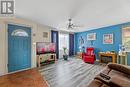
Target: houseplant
65,56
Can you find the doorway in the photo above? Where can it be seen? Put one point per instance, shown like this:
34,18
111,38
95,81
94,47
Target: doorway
19,47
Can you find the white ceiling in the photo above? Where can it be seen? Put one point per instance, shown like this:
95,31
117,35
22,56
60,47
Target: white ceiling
89,13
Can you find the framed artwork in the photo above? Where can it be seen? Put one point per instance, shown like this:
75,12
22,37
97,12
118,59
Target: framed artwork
45,34
108,39
81,41
91,36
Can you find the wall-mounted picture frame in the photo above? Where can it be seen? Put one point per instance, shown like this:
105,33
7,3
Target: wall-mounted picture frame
81,41
91,36
45,34
107,38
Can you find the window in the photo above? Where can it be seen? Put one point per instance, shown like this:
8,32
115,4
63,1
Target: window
126,38
63,41
19,32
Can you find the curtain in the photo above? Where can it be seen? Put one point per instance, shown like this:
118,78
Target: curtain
54,39
71,44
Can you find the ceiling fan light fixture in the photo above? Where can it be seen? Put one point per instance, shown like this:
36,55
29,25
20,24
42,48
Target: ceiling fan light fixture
70,25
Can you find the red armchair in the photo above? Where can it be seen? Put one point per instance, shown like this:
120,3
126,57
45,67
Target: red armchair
89,56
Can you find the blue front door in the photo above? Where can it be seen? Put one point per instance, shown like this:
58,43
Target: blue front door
19,47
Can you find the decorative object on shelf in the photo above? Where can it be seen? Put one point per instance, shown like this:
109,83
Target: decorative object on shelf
65,56
108,39
91,36
112,51
121,49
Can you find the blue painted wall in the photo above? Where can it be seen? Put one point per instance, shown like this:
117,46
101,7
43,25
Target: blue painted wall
98,43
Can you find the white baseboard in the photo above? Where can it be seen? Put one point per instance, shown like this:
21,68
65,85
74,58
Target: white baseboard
15,71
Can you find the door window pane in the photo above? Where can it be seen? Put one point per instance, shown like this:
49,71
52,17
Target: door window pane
19,32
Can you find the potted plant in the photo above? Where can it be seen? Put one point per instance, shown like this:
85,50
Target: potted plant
65,56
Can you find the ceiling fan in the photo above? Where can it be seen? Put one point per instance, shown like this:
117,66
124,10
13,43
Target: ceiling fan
71,25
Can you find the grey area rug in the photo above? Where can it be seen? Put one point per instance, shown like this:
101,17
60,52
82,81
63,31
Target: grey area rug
71,73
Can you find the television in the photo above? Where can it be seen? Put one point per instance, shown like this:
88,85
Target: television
45,47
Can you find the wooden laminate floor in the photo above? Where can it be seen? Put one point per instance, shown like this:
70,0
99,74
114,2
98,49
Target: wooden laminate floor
27,78
71,73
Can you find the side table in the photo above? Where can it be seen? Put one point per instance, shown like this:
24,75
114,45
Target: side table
79,55
122,59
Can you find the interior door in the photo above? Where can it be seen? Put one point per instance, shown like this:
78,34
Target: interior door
19,47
